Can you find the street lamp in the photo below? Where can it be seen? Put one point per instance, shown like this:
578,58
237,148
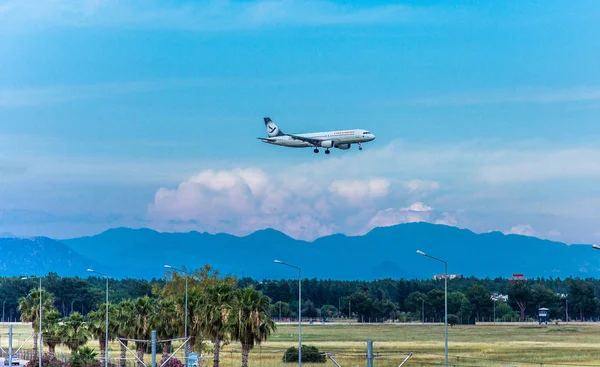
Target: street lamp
40,333
445,300
3,304
106,343
186,309
299,309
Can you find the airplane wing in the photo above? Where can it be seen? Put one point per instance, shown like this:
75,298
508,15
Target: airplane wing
312,141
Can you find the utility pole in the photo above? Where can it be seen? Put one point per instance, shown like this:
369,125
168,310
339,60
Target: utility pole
153,348
10,335
299,308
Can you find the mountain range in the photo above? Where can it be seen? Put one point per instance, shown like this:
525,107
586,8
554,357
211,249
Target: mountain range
386,252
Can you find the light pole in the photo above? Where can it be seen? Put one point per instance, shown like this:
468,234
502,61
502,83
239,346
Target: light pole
106,342
299,309
186,310
3,304
40,333
445,301
72,306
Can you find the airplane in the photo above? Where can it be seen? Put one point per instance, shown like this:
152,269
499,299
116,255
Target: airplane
342,139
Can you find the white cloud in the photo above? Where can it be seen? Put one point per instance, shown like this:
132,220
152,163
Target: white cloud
241,201
358,191
216,15
521,229
416,212
417,207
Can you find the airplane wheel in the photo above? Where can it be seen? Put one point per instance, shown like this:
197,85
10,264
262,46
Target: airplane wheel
316,150
359,148
327,151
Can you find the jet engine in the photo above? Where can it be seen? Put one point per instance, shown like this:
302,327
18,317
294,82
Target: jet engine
327,143
343,146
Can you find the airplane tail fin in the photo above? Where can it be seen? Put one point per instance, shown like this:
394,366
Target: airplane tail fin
272,129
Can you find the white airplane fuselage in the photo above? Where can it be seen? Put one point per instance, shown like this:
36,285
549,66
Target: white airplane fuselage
338,138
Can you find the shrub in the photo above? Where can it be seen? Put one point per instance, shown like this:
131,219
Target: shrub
47,361
452,320
173,362
85,357
310,354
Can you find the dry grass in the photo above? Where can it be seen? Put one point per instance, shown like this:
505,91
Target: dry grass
576,345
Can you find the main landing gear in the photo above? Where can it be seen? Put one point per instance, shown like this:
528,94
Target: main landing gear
317,151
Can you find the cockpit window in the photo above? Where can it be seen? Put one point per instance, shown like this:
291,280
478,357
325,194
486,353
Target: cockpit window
366,132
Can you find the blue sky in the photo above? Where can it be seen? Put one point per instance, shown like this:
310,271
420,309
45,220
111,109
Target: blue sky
145,114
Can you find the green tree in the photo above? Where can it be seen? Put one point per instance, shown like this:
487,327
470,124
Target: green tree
51,329
280,309
167,324
30,310
124,313
416,301
582,297
361,305
520,293
144,309
480,299
96,325
74,332
249,322
219,301
329,311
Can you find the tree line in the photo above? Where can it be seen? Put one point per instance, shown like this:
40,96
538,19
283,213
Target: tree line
218,311
386,299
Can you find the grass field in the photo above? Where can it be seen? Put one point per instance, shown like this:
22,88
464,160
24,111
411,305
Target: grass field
488,345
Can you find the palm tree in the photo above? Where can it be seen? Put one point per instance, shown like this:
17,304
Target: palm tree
249,321
144,310
29,307
96,324
125,328
219,298
74,332
52,330
196,302
167,323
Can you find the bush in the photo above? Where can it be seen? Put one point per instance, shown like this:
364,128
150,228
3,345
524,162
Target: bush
47,361
173,362
452,320
85,357
310,354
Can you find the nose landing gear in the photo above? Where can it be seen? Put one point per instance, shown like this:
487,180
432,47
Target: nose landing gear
359,147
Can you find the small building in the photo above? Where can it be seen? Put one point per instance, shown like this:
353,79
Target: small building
543,315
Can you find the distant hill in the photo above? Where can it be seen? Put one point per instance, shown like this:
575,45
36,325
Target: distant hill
388,252
41,255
